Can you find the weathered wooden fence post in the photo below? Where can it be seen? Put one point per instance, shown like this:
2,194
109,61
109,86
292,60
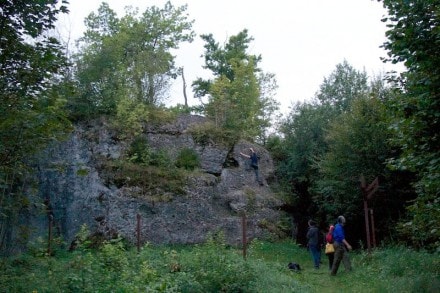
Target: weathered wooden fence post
367,193
138,232
372,228
244,228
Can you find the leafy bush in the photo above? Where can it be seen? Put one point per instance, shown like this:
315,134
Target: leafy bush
151,180
141,153
187,159
216,267
160,159
130,115
209,133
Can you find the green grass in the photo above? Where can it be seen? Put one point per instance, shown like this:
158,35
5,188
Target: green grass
215,267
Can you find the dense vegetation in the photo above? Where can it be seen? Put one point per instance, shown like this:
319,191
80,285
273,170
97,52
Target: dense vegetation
215,267
383,126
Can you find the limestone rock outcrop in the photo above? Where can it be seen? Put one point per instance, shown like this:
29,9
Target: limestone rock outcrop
213,198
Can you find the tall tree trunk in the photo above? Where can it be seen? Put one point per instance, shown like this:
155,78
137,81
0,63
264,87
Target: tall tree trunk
184,89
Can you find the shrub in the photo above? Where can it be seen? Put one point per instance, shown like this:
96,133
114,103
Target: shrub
208,133
139,151
215,268
187,159
160,159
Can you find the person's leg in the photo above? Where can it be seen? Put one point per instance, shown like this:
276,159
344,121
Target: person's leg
257,175
319,255
346,260
339,254
315,255
331,257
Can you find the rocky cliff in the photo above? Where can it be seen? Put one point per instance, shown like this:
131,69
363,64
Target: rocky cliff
79,190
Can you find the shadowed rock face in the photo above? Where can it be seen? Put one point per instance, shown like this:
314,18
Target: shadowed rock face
213,199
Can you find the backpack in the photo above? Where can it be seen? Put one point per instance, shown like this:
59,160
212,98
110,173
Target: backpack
329,237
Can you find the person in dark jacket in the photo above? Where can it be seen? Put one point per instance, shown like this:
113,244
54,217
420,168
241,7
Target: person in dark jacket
313,243
254,164
341,245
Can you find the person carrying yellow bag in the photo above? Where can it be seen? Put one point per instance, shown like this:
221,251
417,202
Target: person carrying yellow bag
329,248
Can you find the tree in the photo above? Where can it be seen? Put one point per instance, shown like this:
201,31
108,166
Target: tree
269,116
128,58
305,130
342,86
31,108
303,140
236,101
413,38
234,104
305,127
358,144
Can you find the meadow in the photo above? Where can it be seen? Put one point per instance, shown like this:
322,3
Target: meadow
216,267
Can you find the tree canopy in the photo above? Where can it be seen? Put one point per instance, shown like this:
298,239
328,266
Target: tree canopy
240,96
413,38
32,65
129,58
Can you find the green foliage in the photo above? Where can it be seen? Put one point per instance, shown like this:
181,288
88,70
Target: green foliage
182,109
413,30
218,59
234,104
187,159
330,142
141,153
303,142
155,182
208,133
304,129
357,145
240,99
342,86
215,267
124,63
31,101
130,116
112,256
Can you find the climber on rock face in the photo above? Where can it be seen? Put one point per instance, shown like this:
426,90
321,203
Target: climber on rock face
254,164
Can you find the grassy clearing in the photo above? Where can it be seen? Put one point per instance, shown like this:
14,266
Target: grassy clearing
214,267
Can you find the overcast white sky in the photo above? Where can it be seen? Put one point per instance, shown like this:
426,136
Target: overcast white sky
301,42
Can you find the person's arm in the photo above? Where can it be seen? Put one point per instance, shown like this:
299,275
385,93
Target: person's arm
347,244
244,155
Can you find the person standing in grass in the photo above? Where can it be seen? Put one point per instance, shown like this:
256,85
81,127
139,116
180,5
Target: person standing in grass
341,245
329,239
313,243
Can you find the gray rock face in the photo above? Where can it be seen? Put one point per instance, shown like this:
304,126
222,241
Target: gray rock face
214,198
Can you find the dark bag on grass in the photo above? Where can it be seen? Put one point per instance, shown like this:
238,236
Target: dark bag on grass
294,266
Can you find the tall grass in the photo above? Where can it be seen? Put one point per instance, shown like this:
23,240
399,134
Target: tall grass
216,267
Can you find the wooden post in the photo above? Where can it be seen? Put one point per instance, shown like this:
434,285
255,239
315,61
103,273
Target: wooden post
243,223
49,241
367,224
367,193
372,228
138,232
